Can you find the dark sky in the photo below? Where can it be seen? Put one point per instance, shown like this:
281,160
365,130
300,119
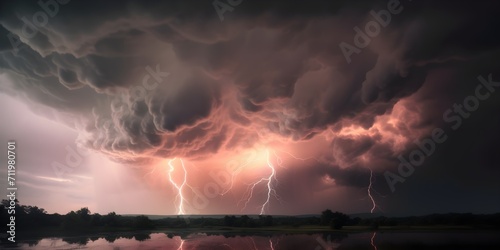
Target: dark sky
276,107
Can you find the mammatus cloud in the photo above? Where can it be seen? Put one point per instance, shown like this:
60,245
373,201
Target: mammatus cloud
267,74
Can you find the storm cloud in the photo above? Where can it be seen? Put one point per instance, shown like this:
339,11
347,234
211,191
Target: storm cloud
268,72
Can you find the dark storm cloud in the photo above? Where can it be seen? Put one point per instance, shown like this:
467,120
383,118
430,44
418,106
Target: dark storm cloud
351,177
4,40
268,68
351,148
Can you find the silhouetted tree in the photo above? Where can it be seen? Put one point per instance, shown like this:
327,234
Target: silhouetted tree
96,220
111,220
230,221
142,237
84,214
335,220
72,221
326,217
142,222
266,220
110,238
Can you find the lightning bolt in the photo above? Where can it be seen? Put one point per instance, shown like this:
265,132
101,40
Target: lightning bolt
295,157
270,179
234,173
181,246
374,204
227,245
180,187
231,185
271,244
269,185
372,241
254,246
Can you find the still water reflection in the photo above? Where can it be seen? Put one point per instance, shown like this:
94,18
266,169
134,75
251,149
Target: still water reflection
375,241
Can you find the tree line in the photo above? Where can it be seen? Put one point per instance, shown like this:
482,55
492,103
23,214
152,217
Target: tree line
33,218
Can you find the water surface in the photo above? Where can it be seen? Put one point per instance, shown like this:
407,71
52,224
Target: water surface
366,240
